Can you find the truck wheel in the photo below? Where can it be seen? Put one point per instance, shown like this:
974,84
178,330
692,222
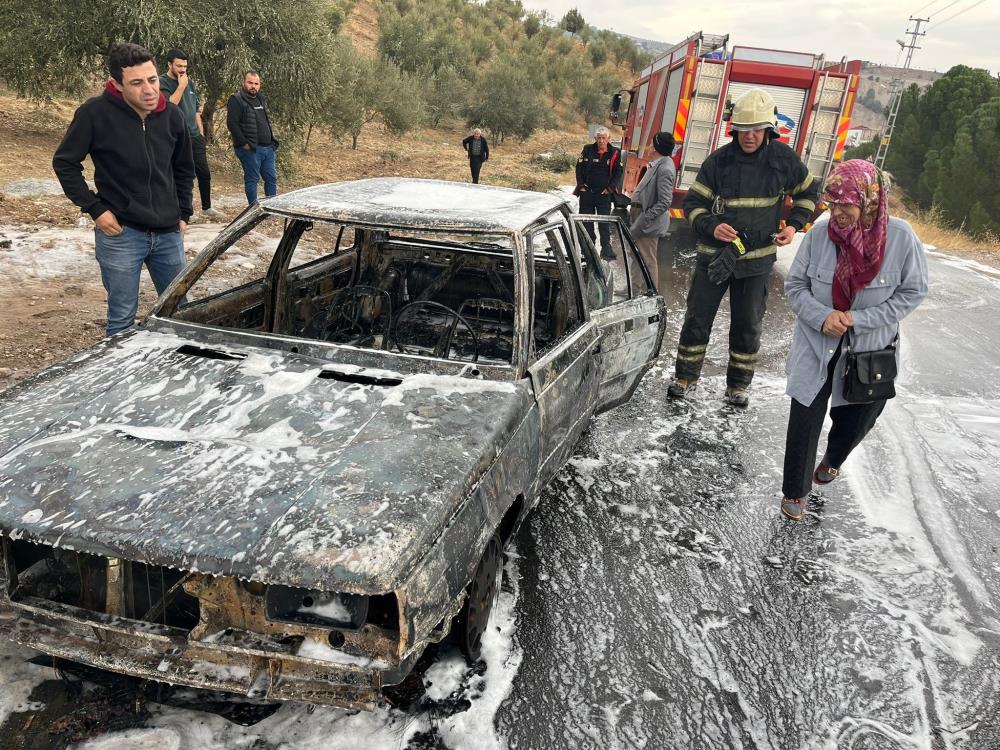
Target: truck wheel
481,594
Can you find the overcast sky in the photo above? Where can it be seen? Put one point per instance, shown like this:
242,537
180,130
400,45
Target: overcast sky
858,29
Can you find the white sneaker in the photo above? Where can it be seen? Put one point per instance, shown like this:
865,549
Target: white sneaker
212,213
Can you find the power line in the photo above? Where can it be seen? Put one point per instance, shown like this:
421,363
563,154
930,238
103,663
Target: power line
956,15
932,2
942,10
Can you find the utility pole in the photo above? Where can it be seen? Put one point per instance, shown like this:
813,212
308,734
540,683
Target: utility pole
897,88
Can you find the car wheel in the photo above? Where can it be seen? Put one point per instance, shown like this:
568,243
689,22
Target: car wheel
481,594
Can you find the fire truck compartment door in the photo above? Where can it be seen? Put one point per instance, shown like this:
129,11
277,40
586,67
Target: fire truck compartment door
791,105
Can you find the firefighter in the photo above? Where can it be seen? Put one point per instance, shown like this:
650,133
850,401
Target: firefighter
598,178
734,207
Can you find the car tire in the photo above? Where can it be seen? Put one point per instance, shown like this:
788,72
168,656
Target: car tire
481,594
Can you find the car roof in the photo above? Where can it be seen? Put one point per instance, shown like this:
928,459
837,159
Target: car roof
413,203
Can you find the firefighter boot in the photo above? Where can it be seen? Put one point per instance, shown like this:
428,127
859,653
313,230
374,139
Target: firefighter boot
737,396
681,387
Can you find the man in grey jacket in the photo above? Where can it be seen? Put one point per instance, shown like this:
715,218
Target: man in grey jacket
651,203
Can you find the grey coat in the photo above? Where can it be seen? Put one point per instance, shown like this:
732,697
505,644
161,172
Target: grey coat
896,291
654,194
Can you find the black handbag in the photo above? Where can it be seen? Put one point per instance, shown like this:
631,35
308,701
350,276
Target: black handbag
869,376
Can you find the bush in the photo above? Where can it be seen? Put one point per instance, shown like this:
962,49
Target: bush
555,161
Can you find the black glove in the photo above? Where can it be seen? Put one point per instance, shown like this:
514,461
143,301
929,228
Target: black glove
721,269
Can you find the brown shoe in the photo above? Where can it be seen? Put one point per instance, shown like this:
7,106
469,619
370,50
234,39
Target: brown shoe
737,396
680,387
825,473
792,508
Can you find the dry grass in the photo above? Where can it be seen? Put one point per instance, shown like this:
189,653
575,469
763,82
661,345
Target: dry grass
932,230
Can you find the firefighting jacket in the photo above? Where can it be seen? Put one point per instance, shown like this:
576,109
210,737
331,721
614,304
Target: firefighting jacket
747,191
599,172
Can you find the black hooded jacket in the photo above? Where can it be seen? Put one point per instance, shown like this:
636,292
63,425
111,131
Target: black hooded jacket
143,168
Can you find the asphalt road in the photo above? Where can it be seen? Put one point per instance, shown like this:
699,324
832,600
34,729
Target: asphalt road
662,602
665,603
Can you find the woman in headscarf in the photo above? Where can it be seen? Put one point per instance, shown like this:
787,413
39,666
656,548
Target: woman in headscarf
859,269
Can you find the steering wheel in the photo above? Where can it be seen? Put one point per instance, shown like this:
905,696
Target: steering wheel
443,344
342,320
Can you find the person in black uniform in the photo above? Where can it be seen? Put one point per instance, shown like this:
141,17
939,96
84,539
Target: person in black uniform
598,177
735,207
478,150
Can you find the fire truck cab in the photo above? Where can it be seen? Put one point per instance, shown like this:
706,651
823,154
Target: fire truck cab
689,90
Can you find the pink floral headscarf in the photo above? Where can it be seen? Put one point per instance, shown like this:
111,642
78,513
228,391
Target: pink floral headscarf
862,246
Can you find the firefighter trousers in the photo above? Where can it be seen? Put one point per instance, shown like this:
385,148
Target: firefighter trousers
747,304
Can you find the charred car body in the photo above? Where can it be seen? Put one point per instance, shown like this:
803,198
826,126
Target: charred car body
287,486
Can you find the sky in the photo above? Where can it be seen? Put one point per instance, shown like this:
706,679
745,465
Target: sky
857,29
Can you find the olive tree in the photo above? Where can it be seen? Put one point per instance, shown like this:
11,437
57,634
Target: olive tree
49,48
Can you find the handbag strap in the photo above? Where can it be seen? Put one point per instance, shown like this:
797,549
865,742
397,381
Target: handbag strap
850,334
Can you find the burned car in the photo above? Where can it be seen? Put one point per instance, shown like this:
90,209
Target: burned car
301,468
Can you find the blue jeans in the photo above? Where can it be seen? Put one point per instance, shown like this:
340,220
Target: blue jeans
121,259
258,162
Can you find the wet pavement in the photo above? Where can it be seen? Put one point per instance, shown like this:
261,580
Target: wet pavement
665,603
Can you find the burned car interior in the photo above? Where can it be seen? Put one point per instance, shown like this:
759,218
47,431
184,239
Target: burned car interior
448,297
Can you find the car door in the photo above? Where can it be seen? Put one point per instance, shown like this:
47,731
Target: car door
623,304
563,366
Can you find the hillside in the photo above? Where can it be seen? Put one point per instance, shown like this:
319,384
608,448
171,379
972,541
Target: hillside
874,89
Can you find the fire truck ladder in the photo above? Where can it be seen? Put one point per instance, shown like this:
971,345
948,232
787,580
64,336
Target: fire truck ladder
823,130
701,120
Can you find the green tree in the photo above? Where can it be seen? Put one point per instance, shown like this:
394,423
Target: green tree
371,90
446,94
967,192
573,21
532,25
48,48
927,123
506,102
593,95
598,54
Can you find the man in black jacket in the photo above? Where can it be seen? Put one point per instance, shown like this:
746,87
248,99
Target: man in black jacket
735,206
249,121
478,150
598,176
144,172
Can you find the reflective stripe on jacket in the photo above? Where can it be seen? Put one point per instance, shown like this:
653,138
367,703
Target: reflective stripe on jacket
747,191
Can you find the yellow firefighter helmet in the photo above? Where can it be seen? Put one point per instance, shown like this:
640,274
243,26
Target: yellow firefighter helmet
753,111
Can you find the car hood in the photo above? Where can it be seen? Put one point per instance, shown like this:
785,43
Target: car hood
256,465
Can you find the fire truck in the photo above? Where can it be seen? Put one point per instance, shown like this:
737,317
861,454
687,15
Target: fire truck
689,90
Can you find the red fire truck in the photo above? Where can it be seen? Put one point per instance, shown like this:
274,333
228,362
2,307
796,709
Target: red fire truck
690,88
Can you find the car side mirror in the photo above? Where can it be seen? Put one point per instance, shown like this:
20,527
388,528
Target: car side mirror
616,105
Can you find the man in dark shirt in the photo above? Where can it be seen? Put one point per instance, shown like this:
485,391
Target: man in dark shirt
249,121
598,177
478,150
141,150
179,89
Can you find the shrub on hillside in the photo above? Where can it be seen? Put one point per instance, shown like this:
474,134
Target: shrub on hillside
557,160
